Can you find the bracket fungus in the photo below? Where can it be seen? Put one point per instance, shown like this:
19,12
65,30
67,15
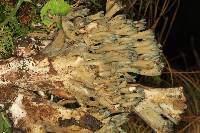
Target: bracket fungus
87,66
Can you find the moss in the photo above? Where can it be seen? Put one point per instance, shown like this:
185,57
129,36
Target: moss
18,29
10,28
6,41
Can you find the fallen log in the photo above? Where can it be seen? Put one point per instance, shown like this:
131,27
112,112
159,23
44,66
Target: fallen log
87,65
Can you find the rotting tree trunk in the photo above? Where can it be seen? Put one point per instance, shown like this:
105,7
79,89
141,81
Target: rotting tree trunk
88,65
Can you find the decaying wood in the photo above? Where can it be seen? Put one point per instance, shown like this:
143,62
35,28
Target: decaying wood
88,65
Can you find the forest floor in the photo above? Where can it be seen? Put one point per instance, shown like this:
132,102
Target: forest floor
159,16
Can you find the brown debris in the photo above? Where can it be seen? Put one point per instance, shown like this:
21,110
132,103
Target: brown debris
90,122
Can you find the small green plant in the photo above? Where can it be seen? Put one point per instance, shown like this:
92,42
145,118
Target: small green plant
5,126
53,8
96,3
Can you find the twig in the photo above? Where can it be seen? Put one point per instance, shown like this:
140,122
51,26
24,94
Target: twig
193,72
182,130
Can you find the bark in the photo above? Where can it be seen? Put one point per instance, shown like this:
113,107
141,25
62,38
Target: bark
87,67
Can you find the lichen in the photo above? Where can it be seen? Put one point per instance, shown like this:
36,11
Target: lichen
89,66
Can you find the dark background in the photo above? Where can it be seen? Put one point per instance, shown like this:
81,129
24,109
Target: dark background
183,45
